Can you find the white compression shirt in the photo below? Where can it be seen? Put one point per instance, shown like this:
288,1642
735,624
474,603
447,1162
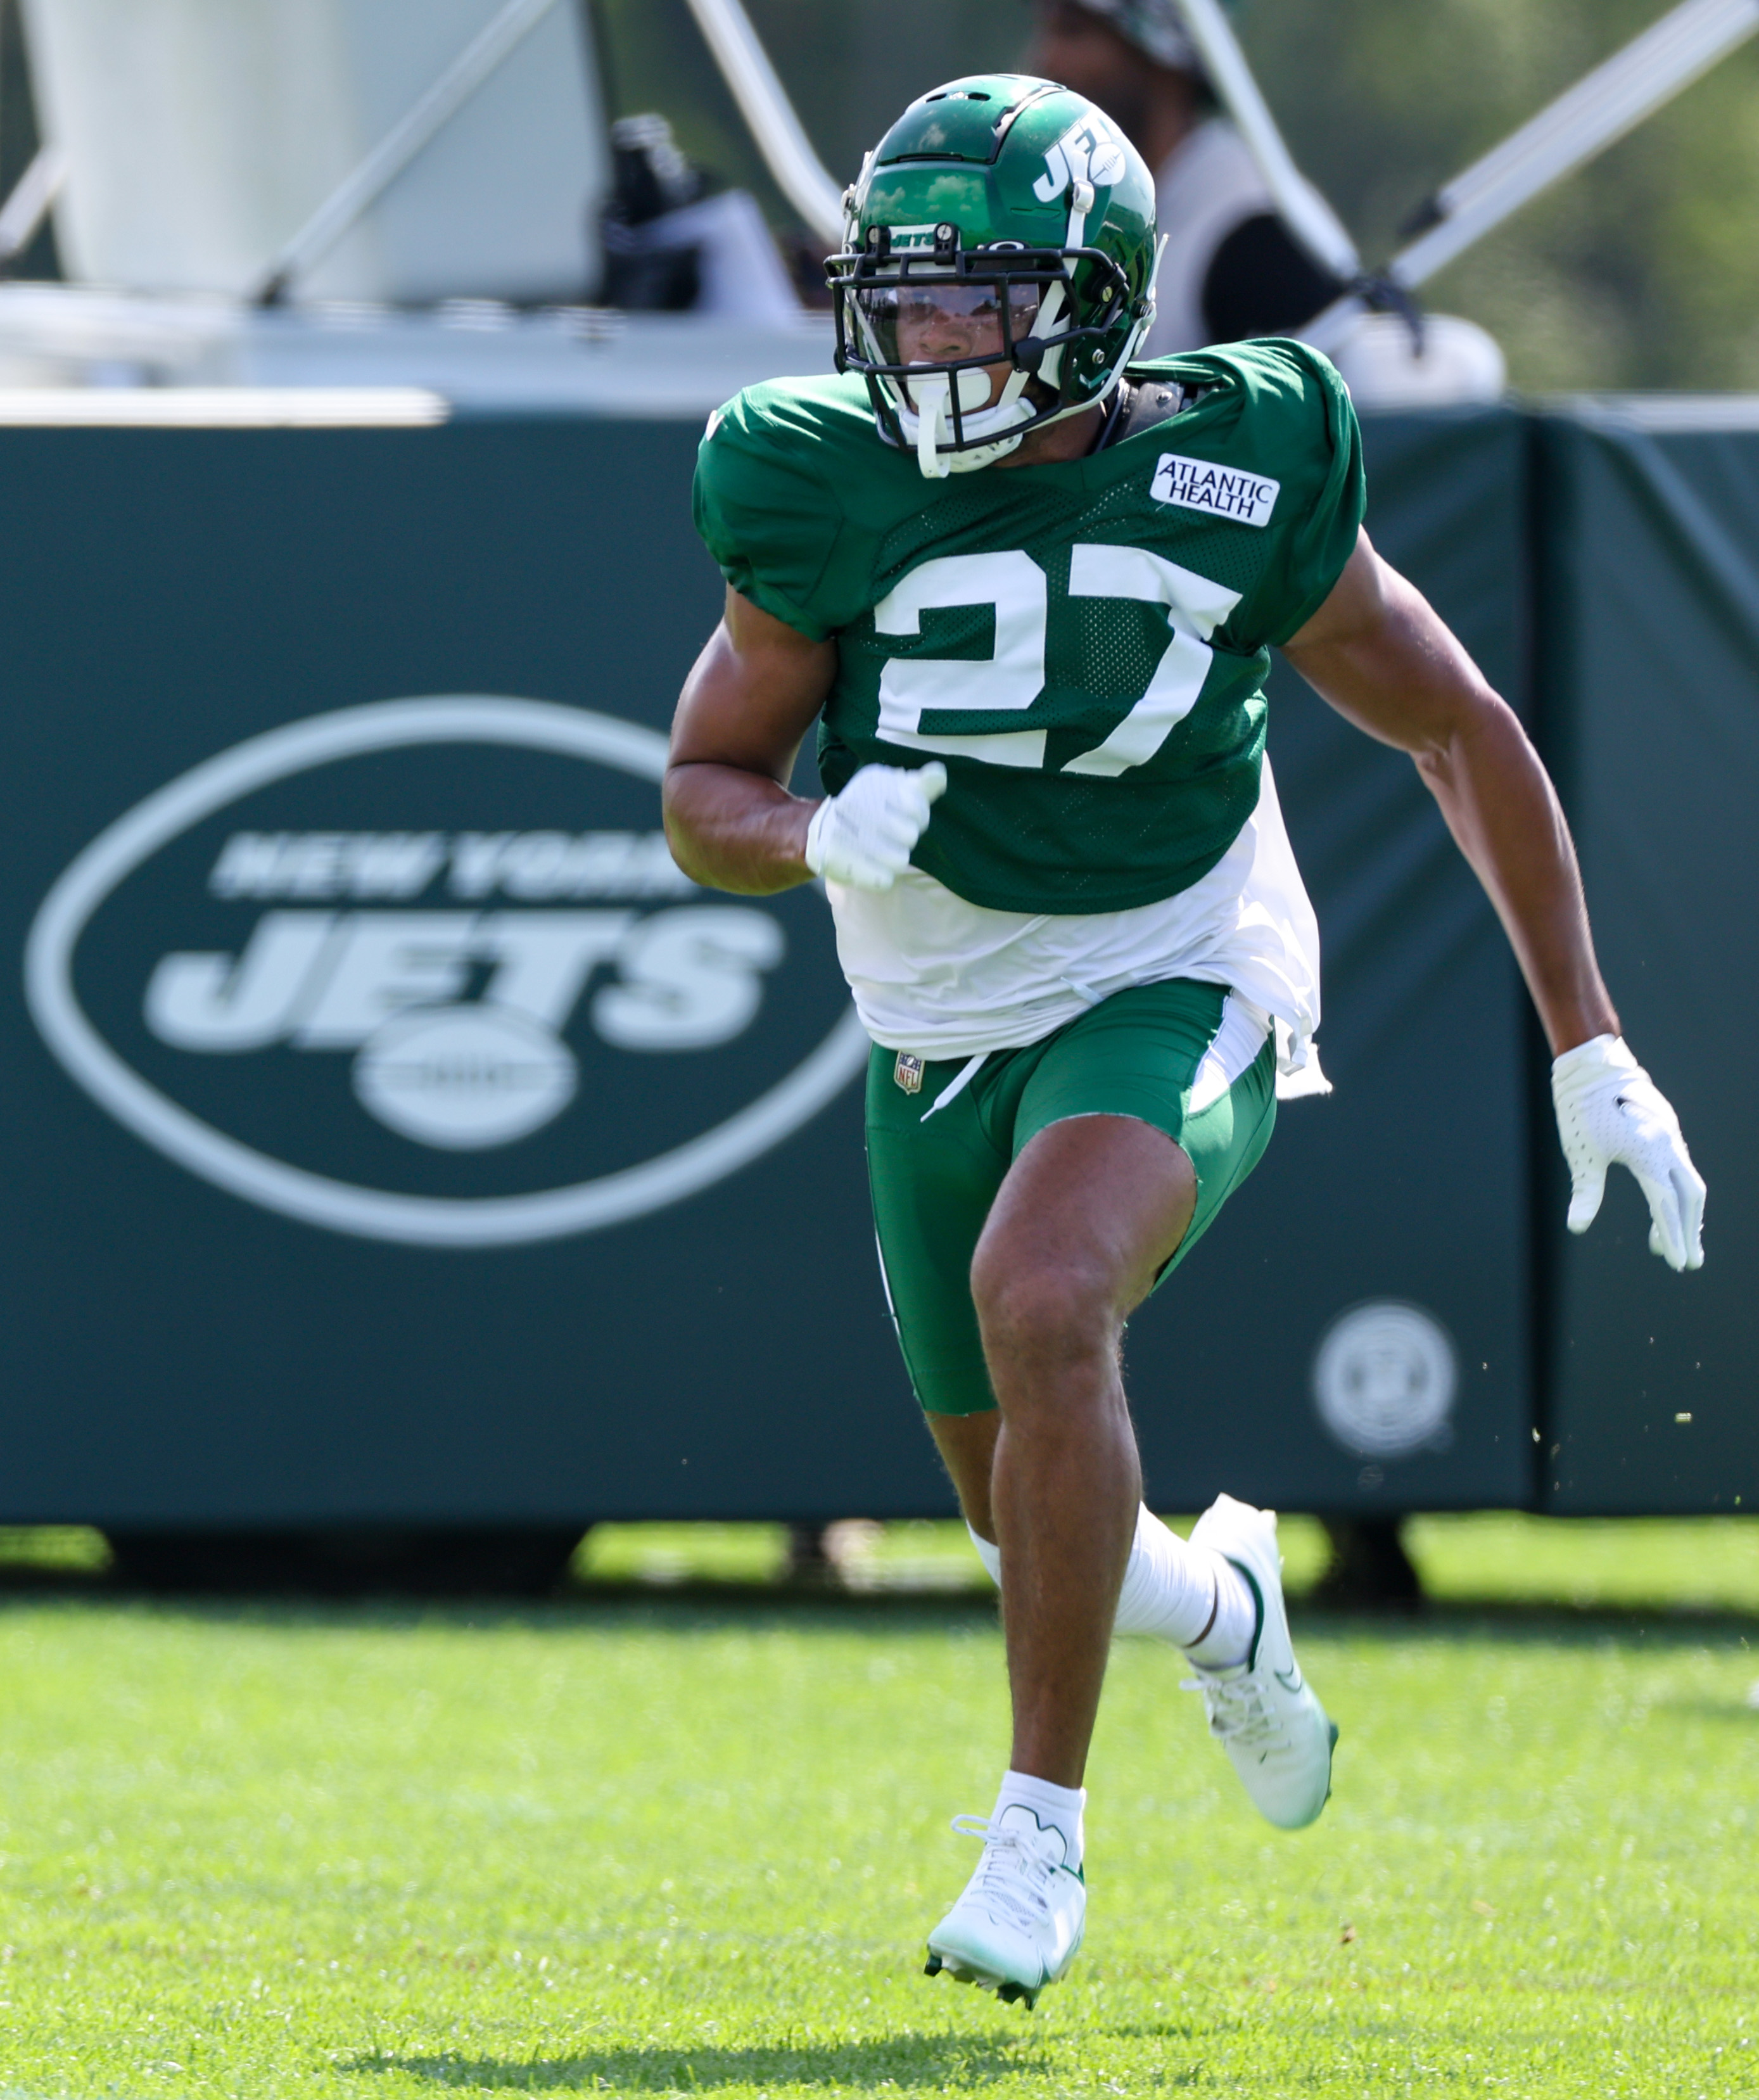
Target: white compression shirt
940,977
1206,187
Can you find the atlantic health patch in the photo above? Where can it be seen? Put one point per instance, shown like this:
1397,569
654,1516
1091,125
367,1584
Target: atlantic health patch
1225,492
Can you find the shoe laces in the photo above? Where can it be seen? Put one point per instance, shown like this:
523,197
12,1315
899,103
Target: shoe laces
1015,1871
1238,1711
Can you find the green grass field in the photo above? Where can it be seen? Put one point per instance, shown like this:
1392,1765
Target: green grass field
643,1842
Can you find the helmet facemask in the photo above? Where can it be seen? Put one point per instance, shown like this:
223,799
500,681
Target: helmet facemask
903,312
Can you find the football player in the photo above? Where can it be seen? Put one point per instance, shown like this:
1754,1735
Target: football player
1028,589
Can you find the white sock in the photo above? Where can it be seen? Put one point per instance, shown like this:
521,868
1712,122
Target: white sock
1175,1592
990,1555
1056,1808
1190,1595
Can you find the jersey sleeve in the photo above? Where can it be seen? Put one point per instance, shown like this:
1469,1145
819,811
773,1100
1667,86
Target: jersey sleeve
764,511
1303,426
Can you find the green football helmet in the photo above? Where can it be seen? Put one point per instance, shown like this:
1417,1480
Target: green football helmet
1004,221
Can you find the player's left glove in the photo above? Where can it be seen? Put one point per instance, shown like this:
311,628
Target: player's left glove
1610,1109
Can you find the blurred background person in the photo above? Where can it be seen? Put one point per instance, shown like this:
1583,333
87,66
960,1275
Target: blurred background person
1231,268
676,240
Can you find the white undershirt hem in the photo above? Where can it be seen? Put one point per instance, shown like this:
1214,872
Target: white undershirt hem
940,977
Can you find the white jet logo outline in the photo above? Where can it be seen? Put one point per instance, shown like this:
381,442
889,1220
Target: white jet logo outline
1088,151
321,1200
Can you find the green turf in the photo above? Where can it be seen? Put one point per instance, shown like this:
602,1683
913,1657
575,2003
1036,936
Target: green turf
630,1844
1696,1562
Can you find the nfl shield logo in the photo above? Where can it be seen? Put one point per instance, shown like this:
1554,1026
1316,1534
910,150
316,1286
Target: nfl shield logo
908,1072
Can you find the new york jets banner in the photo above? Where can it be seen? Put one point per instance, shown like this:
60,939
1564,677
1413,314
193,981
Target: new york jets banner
395,1136
1647,568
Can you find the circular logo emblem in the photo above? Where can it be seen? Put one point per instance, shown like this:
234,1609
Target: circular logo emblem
1384,1377
425,971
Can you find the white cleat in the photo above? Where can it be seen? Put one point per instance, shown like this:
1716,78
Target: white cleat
1018,1925
1262,1712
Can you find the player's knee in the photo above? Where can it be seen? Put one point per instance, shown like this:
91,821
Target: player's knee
1049,1313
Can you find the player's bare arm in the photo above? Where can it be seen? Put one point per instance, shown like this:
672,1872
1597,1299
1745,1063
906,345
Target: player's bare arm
1377,651
752,696
730,818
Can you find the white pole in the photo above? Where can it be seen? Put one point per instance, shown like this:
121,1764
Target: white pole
1566,134
1599,109
412,131
32,194
769,116
1303,210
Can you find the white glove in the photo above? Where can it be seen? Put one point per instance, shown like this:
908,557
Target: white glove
864,835
1609,1109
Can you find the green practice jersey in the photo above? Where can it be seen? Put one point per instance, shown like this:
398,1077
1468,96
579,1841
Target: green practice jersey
1083,644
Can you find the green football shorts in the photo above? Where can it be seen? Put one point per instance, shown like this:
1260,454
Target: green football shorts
934,1175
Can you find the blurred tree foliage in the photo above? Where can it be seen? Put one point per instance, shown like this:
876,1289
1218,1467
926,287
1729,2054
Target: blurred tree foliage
1640,271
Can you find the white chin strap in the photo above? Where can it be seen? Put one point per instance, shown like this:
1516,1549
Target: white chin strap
1004,425
930,423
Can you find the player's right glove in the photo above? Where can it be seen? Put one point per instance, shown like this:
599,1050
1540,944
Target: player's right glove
1610,1109
864,835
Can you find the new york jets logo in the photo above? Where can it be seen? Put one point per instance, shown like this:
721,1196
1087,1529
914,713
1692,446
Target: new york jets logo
424,970
905,238
1089,152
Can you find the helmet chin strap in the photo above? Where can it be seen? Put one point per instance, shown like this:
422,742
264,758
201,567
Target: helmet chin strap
999,422
931,414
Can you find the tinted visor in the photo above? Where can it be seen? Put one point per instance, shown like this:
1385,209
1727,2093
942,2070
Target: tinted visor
931,323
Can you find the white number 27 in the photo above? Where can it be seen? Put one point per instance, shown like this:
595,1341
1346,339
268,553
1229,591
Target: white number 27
1012,678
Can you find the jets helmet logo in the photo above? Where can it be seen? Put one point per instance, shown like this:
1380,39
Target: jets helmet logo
1088,153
